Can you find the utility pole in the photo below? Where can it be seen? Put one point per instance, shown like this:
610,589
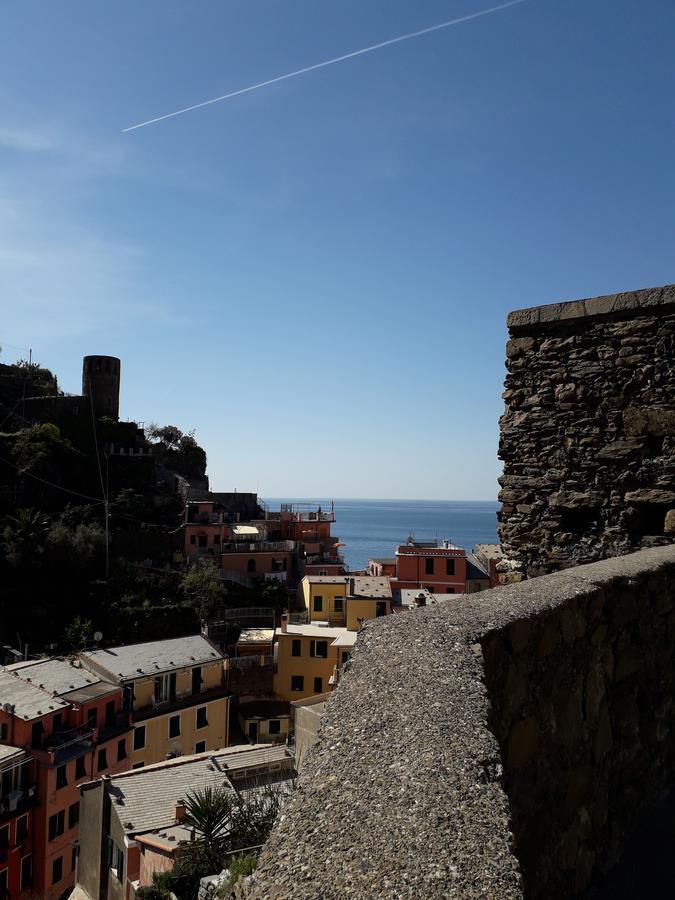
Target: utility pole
107,518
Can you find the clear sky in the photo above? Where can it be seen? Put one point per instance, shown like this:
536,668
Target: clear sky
315,276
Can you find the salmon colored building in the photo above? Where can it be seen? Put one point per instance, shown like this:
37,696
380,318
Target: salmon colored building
71,723
18,799
442,569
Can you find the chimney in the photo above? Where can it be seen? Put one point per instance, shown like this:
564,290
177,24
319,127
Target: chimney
180,810
421,599
284,622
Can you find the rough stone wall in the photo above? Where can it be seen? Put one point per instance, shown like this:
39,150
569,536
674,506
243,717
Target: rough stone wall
588,433
503,745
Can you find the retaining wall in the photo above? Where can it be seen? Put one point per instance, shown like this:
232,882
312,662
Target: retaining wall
500,745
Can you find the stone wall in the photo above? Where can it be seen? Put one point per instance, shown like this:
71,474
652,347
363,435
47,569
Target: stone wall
588,434
503,745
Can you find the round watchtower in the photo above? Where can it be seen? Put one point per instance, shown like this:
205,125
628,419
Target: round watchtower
101,380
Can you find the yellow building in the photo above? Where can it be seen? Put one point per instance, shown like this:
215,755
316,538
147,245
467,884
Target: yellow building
265,721
176,692
323,596
309,658
345,601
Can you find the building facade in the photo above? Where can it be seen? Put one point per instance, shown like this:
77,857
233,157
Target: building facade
175,691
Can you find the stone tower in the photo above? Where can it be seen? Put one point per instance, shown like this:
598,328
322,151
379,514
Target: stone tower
101,380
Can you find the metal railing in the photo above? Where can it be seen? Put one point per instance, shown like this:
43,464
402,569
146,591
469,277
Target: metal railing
250,662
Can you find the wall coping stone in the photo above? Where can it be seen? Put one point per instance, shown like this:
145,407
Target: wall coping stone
649,301
401,795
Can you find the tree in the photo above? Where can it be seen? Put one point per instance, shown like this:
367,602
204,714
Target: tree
78,632
203,588
38,445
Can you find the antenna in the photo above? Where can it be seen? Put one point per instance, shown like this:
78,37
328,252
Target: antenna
98,636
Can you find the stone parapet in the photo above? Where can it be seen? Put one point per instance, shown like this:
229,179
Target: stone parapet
502,745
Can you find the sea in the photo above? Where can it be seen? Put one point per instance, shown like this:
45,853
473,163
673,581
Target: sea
372,528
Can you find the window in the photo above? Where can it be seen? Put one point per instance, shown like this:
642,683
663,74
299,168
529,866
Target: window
110,713
61,776
201,717
203,539
57,824
296,648
139,737
318,604
21,829
429,566
450,590
274,726
338,604
345,656
216,538
92,718
323,572
73,814
250,565
57,870
174,726
193,538
121,750
4,837
200,747
26,871
319,649
57,722
449,567
297,683
3,731
165,688
114,857
102,760
318,685
197,679
4,890
36,732
73,859
80,769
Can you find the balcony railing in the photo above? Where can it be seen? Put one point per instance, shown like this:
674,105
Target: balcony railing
250,662
120,722
65,745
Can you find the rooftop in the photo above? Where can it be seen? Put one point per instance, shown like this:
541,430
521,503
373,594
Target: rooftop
10,753
367,586
29,700
316,629
57,675
145,799
134,661
325,579
490,551
474,568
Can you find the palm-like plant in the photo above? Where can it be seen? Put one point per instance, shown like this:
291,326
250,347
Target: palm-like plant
24,536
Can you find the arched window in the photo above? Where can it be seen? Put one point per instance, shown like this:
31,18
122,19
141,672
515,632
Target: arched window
250,566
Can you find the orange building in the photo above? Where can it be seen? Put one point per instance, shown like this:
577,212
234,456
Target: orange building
73,726
18,798
441,569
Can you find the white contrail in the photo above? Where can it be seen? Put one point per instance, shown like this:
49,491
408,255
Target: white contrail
328,62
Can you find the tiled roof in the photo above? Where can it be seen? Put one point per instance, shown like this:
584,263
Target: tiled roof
133,661
29,700
369,586
256,635
58,675
145,799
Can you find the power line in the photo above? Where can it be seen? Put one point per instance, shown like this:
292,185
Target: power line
51,483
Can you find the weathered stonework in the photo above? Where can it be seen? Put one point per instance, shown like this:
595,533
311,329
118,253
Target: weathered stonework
588,433
502,745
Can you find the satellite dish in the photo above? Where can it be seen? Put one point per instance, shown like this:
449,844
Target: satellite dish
98,636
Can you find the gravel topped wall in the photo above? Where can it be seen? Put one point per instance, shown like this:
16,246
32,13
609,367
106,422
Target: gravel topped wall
499,745
588,433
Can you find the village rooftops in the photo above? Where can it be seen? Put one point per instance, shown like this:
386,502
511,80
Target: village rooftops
327,579
489,551
134,661
29,700
369,586
146,799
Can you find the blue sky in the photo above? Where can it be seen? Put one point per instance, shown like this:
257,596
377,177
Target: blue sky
315,276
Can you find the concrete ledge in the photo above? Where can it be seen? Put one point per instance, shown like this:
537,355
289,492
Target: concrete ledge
650,301
464,753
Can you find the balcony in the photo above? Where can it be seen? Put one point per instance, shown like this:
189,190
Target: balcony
114,725
62,746
180,701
